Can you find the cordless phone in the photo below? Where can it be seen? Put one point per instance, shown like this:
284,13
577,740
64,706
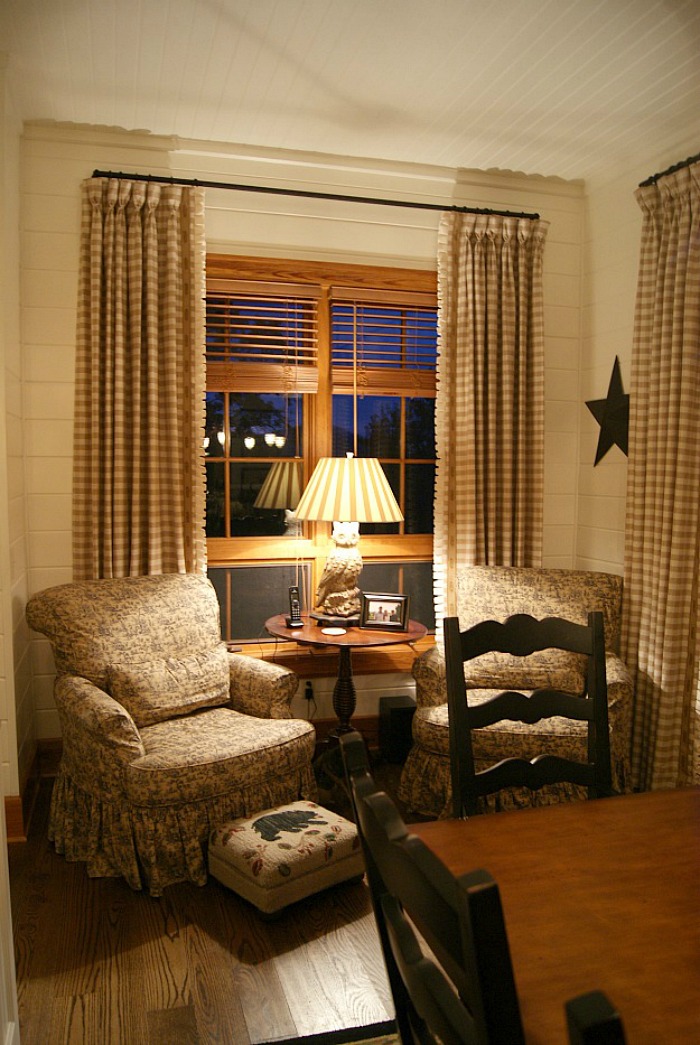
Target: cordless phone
294,619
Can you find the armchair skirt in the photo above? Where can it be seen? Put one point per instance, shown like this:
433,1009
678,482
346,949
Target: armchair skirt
194,774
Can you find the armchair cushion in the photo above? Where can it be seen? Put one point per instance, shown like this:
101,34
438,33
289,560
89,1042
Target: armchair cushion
165,687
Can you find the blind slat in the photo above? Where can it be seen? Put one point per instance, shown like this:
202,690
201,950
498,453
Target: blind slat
389,336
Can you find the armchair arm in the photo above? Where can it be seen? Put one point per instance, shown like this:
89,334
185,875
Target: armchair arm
620,700
260,687
100,738
619,681
429,672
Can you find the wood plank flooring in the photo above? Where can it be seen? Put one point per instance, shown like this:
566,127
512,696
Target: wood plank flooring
98,964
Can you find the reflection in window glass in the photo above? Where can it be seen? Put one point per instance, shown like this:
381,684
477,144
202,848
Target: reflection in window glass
393,474
420,428
384,424
240,329
216,499
418,499
263,425
382,336
214,431
249,431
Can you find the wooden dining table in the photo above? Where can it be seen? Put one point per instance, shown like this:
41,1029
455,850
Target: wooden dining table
596,895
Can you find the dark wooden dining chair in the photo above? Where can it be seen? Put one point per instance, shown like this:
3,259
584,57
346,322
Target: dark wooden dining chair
520,636
459,989
592,1019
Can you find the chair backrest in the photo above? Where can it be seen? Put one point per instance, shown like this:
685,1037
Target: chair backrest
592,1019
497,592
462,990
95,625
520,636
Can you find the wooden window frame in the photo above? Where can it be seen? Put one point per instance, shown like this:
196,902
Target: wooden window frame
329,281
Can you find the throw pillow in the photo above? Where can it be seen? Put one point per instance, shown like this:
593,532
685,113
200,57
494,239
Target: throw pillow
170,686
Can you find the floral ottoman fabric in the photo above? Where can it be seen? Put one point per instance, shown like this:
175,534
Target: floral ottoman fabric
282,855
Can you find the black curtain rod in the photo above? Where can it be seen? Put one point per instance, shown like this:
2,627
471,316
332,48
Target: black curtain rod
669,170
308,194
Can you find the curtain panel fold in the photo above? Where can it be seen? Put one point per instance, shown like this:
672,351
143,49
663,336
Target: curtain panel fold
490,396
661,638
138,473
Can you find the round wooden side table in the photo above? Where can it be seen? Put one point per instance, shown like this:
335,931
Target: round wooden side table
313,634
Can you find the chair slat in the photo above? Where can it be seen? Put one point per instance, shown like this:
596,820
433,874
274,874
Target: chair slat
542,703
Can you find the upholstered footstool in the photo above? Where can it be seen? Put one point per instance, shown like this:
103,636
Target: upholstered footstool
282,855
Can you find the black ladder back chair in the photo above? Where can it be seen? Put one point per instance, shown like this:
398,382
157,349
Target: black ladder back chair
464,992
519,636
592,1019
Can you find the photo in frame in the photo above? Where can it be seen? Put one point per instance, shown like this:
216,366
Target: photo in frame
384,610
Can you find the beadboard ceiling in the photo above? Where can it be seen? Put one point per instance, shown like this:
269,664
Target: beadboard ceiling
554,87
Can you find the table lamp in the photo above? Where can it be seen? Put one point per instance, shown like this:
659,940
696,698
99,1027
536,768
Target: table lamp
282,489
345,491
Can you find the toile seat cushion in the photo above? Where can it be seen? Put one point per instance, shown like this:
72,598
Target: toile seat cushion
561,736
200,757
284,854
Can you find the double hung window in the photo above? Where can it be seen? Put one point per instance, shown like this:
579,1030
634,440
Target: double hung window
308,360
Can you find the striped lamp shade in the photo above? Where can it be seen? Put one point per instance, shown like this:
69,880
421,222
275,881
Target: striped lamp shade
282,486
348,489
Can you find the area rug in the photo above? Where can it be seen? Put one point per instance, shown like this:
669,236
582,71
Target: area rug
376,1034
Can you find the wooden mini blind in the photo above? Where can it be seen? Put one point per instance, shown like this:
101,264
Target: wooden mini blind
261,336
390,337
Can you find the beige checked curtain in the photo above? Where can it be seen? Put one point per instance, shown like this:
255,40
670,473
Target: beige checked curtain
489,411
138,475
661,640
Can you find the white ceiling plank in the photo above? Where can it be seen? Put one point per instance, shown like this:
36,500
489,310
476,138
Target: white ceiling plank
552,87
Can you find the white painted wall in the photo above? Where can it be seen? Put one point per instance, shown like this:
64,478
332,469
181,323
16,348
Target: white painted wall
14,690
15,695
611,250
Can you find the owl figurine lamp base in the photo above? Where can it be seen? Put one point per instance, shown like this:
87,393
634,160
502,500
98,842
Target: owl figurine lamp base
337,595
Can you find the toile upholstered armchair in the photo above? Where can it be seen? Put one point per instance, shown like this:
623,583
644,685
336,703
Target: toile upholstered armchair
165,733
494,593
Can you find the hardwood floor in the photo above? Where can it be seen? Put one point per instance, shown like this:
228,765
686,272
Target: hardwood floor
98,964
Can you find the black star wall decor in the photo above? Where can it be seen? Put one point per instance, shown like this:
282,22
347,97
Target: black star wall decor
613,415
